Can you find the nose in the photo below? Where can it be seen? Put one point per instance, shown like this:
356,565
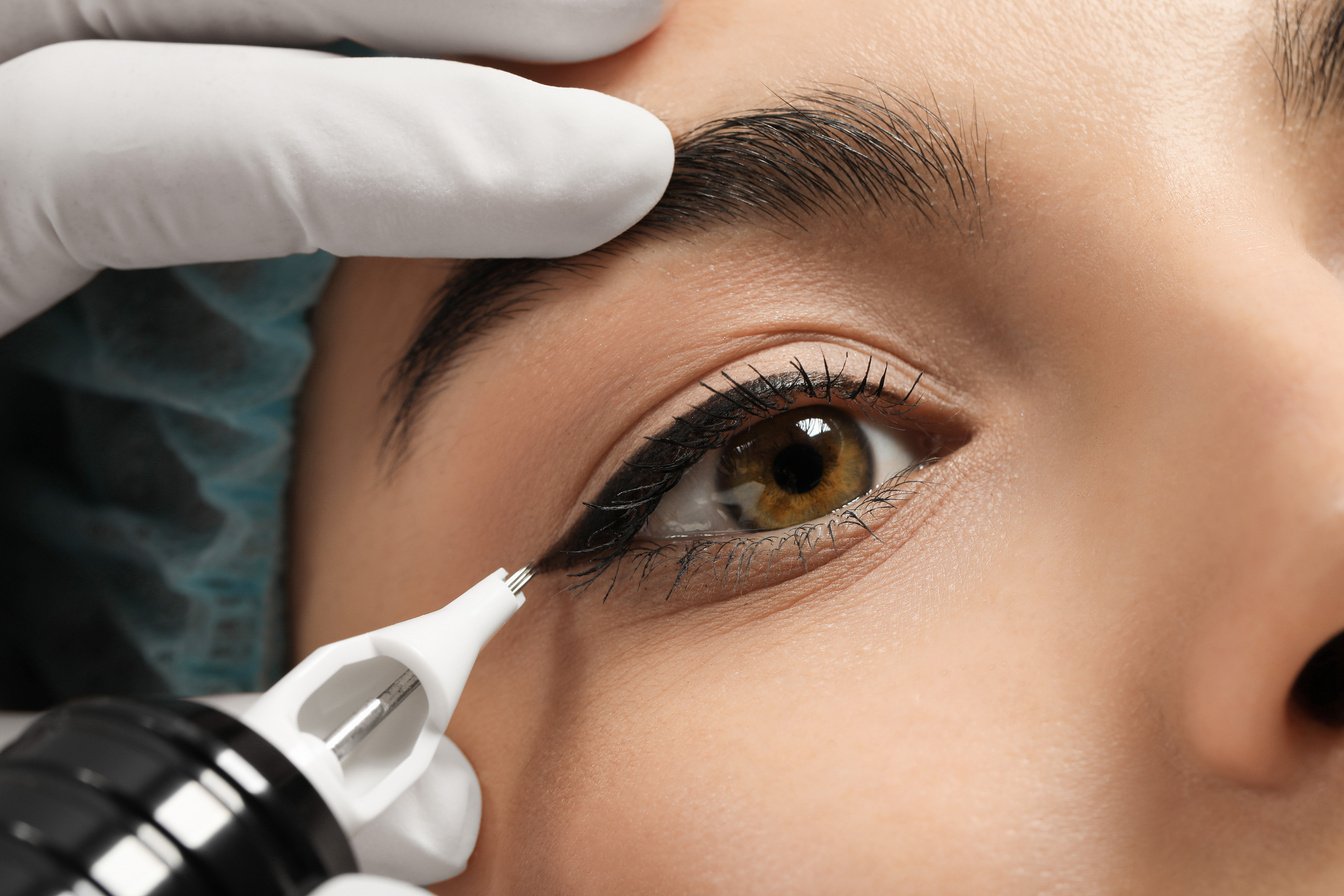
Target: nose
1261,651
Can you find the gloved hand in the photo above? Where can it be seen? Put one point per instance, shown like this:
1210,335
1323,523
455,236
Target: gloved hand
423,837
126,154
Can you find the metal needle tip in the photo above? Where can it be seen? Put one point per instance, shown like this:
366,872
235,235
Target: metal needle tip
352,732
517,580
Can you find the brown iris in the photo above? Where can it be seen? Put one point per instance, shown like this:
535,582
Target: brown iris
794,467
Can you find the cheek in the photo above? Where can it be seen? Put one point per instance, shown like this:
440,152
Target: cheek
806,759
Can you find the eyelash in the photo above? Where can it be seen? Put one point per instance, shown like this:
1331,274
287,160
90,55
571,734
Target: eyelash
605,537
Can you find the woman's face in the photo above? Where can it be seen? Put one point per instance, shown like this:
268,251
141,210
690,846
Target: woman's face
1059,657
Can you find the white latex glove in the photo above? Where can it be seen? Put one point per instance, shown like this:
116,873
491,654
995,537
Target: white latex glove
425,836
125,154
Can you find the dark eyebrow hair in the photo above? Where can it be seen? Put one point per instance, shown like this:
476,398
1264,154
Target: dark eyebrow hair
828,154
1308,56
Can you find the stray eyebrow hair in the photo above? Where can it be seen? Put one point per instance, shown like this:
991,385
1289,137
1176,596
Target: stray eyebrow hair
831,154
1308,56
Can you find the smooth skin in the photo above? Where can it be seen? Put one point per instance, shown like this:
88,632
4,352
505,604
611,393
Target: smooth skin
1066,666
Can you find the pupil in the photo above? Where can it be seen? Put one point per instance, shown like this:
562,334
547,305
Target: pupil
798,469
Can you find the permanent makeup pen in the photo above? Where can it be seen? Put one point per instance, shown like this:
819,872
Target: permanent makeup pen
129,797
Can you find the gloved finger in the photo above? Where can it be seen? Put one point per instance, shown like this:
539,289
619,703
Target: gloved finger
532,30
132,155
366,885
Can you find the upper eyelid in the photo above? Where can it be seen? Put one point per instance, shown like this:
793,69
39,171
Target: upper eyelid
676,448
823,152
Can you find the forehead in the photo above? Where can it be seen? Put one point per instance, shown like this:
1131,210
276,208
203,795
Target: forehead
1114,130
1143,109
1073,67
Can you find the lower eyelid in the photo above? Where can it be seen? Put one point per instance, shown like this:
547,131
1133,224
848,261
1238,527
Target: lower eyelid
721,567
876,496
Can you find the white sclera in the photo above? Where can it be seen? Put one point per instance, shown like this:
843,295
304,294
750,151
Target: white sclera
696,505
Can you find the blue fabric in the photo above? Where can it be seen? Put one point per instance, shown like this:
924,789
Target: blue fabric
147,425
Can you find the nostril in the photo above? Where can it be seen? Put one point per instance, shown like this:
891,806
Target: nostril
1319,689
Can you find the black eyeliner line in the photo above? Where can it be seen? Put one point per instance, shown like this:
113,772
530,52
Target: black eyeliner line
731,421
786,399
738,387
807,380
745,408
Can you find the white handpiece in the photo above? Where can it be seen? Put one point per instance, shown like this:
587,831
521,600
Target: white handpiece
344,717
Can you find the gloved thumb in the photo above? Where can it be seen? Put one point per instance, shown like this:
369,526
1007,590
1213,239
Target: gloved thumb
428,833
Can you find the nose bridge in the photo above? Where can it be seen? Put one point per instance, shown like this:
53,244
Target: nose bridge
1260,386
1274,356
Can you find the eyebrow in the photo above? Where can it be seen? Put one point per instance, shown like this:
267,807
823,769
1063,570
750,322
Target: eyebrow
1308,56
831,154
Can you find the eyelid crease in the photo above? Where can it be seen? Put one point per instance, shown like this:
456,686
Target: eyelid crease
616,516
